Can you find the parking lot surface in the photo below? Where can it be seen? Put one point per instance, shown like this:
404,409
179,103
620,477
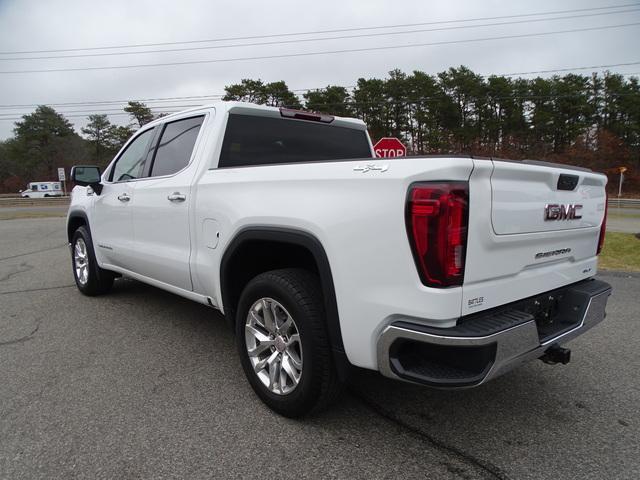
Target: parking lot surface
144,384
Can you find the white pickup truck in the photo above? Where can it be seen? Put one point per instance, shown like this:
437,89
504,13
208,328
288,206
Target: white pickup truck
445,271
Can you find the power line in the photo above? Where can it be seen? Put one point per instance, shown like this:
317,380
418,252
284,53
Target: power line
191,105
326,52
416,101
158,99
108,110
84,116
290,34
569,69
304,40
103,102
217,96
420,101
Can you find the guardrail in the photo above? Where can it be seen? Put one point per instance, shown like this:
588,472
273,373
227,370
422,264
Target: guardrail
624,202
34,202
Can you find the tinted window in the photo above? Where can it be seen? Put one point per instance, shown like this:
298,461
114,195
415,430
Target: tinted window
252,140
176,145
129,165
86,174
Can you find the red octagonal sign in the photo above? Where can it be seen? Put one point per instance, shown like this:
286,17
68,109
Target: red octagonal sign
389,147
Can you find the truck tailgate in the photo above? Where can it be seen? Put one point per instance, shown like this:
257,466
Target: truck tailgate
541,231
520,192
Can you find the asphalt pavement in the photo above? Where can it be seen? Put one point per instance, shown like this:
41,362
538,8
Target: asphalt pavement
143,384
33,211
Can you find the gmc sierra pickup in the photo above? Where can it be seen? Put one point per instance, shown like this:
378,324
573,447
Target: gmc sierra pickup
445,271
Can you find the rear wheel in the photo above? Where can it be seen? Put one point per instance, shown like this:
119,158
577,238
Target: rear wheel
90,278
283,343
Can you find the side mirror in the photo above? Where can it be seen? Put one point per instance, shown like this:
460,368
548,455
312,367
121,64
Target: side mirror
87,176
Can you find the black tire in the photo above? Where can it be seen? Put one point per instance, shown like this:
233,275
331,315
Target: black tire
299,292
99,281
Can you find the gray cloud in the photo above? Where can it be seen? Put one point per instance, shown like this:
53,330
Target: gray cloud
34,25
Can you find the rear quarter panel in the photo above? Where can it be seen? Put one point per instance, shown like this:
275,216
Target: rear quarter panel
359,218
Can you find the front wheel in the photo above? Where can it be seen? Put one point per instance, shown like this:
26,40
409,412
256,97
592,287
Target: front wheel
90,278
283,342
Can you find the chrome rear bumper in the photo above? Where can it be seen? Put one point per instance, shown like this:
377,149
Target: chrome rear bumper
486,345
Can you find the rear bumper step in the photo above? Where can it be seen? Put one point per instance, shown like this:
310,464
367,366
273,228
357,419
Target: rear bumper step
485,345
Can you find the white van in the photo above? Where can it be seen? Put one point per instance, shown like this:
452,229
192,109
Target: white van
41,190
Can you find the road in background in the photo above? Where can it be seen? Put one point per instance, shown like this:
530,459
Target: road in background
142,383
626,220
33,207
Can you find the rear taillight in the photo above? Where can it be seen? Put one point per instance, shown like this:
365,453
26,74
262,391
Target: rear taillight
603,227
437,220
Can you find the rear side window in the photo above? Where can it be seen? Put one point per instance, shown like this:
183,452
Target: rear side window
129,164
175,146
253,140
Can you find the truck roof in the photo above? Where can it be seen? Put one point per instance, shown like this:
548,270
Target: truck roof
258,110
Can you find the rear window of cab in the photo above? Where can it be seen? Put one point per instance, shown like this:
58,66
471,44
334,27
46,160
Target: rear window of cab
254,140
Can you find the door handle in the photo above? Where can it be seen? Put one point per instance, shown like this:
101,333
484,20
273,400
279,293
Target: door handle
124,197
176,197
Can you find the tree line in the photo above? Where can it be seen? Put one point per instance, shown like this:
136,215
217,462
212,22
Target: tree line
588,120
45,140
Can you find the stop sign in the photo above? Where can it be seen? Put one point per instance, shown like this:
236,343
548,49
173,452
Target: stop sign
389,147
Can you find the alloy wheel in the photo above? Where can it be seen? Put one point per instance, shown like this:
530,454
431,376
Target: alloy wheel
273,344
81,261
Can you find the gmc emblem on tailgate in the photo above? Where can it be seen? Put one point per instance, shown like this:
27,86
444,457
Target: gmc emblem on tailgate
554,211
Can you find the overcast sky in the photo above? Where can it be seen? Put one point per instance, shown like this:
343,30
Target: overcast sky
73,24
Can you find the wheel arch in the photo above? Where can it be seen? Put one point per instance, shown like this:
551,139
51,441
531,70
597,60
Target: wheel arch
76,219
300,243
